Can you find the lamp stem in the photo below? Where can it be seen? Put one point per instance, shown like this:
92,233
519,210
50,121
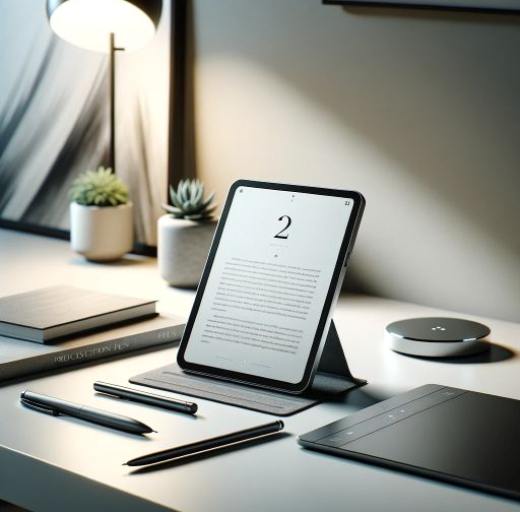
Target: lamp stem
112,83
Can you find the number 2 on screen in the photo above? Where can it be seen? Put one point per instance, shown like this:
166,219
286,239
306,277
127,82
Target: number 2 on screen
283,233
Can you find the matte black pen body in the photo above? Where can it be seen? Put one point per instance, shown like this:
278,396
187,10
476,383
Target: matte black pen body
208,444
143,397
107,419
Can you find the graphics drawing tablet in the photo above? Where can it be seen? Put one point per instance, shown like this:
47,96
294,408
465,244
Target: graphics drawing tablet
458,436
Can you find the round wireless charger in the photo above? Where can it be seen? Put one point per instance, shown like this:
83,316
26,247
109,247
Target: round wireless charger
437,337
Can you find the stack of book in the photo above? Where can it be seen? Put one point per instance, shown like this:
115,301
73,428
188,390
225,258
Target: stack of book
62,326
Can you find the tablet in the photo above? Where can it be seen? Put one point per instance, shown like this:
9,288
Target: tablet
274,270
440,432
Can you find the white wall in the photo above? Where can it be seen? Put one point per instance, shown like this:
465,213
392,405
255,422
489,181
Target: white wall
419,111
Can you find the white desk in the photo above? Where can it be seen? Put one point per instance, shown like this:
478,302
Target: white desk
49,463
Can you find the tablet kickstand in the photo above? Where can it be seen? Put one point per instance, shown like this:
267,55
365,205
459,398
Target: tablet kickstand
333,374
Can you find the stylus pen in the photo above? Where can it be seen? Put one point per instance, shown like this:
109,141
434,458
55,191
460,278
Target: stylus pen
56,406
136,395
208,444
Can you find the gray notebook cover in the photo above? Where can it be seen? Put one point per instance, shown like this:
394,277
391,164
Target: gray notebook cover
47,313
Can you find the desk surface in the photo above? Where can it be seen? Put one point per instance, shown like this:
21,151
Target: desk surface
49,463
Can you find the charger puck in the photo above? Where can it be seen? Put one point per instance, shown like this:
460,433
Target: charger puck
437,337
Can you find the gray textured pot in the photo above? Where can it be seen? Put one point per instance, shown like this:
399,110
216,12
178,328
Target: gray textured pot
182,249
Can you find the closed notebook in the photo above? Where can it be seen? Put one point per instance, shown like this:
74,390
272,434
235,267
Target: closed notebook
49,313
19,358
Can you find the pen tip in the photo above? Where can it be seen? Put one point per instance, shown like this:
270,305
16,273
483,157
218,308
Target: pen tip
155,431
125,464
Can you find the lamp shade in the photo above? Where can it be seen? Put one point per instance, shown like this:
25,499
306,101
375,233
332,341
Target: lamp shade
88,23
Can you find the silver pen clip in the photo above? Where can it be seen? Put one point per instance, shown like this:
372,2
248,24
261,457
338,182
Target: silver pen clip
39,407
101,388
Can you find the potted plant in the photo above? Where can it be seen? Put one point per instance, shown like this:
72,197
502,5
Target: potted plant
185,234
101,220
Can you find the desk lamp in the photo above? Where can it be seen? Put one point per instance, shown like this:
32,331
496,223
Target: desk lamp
106,26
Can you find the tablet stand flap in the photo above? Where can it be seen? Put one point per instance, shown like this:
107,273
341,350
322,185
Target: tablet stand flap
333,375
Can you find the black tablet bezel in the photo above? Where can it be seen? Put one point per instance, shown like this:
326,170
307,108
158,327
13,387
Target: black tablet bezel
345,250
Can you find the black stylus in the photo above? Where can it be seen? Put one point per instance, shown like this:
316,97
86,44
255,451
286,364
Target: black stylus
56,406
208,444
137,395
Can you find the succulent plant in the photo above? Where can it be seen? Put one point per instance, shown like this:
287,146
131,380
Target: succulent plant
99,188
188,201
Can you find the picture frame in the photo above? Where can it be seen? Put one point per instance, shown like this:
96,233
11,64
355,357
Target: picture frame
492,6
34,194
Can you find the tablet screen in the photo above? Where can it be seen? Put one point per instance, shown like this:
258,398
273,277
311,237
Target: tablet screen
268,283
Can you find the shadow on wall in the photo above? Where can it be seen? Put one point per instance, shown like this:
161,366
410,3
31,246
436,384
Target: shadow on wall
436,94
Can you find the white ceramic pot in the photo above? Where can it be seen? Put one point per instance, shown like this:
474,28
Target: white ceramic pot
101,233
182,249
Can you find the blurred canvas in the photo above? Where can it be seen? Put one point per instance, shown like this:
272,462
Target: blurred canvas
54,119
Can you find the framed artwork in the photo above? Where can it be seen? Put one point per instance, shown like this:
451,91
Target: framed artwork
502,6
54,119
